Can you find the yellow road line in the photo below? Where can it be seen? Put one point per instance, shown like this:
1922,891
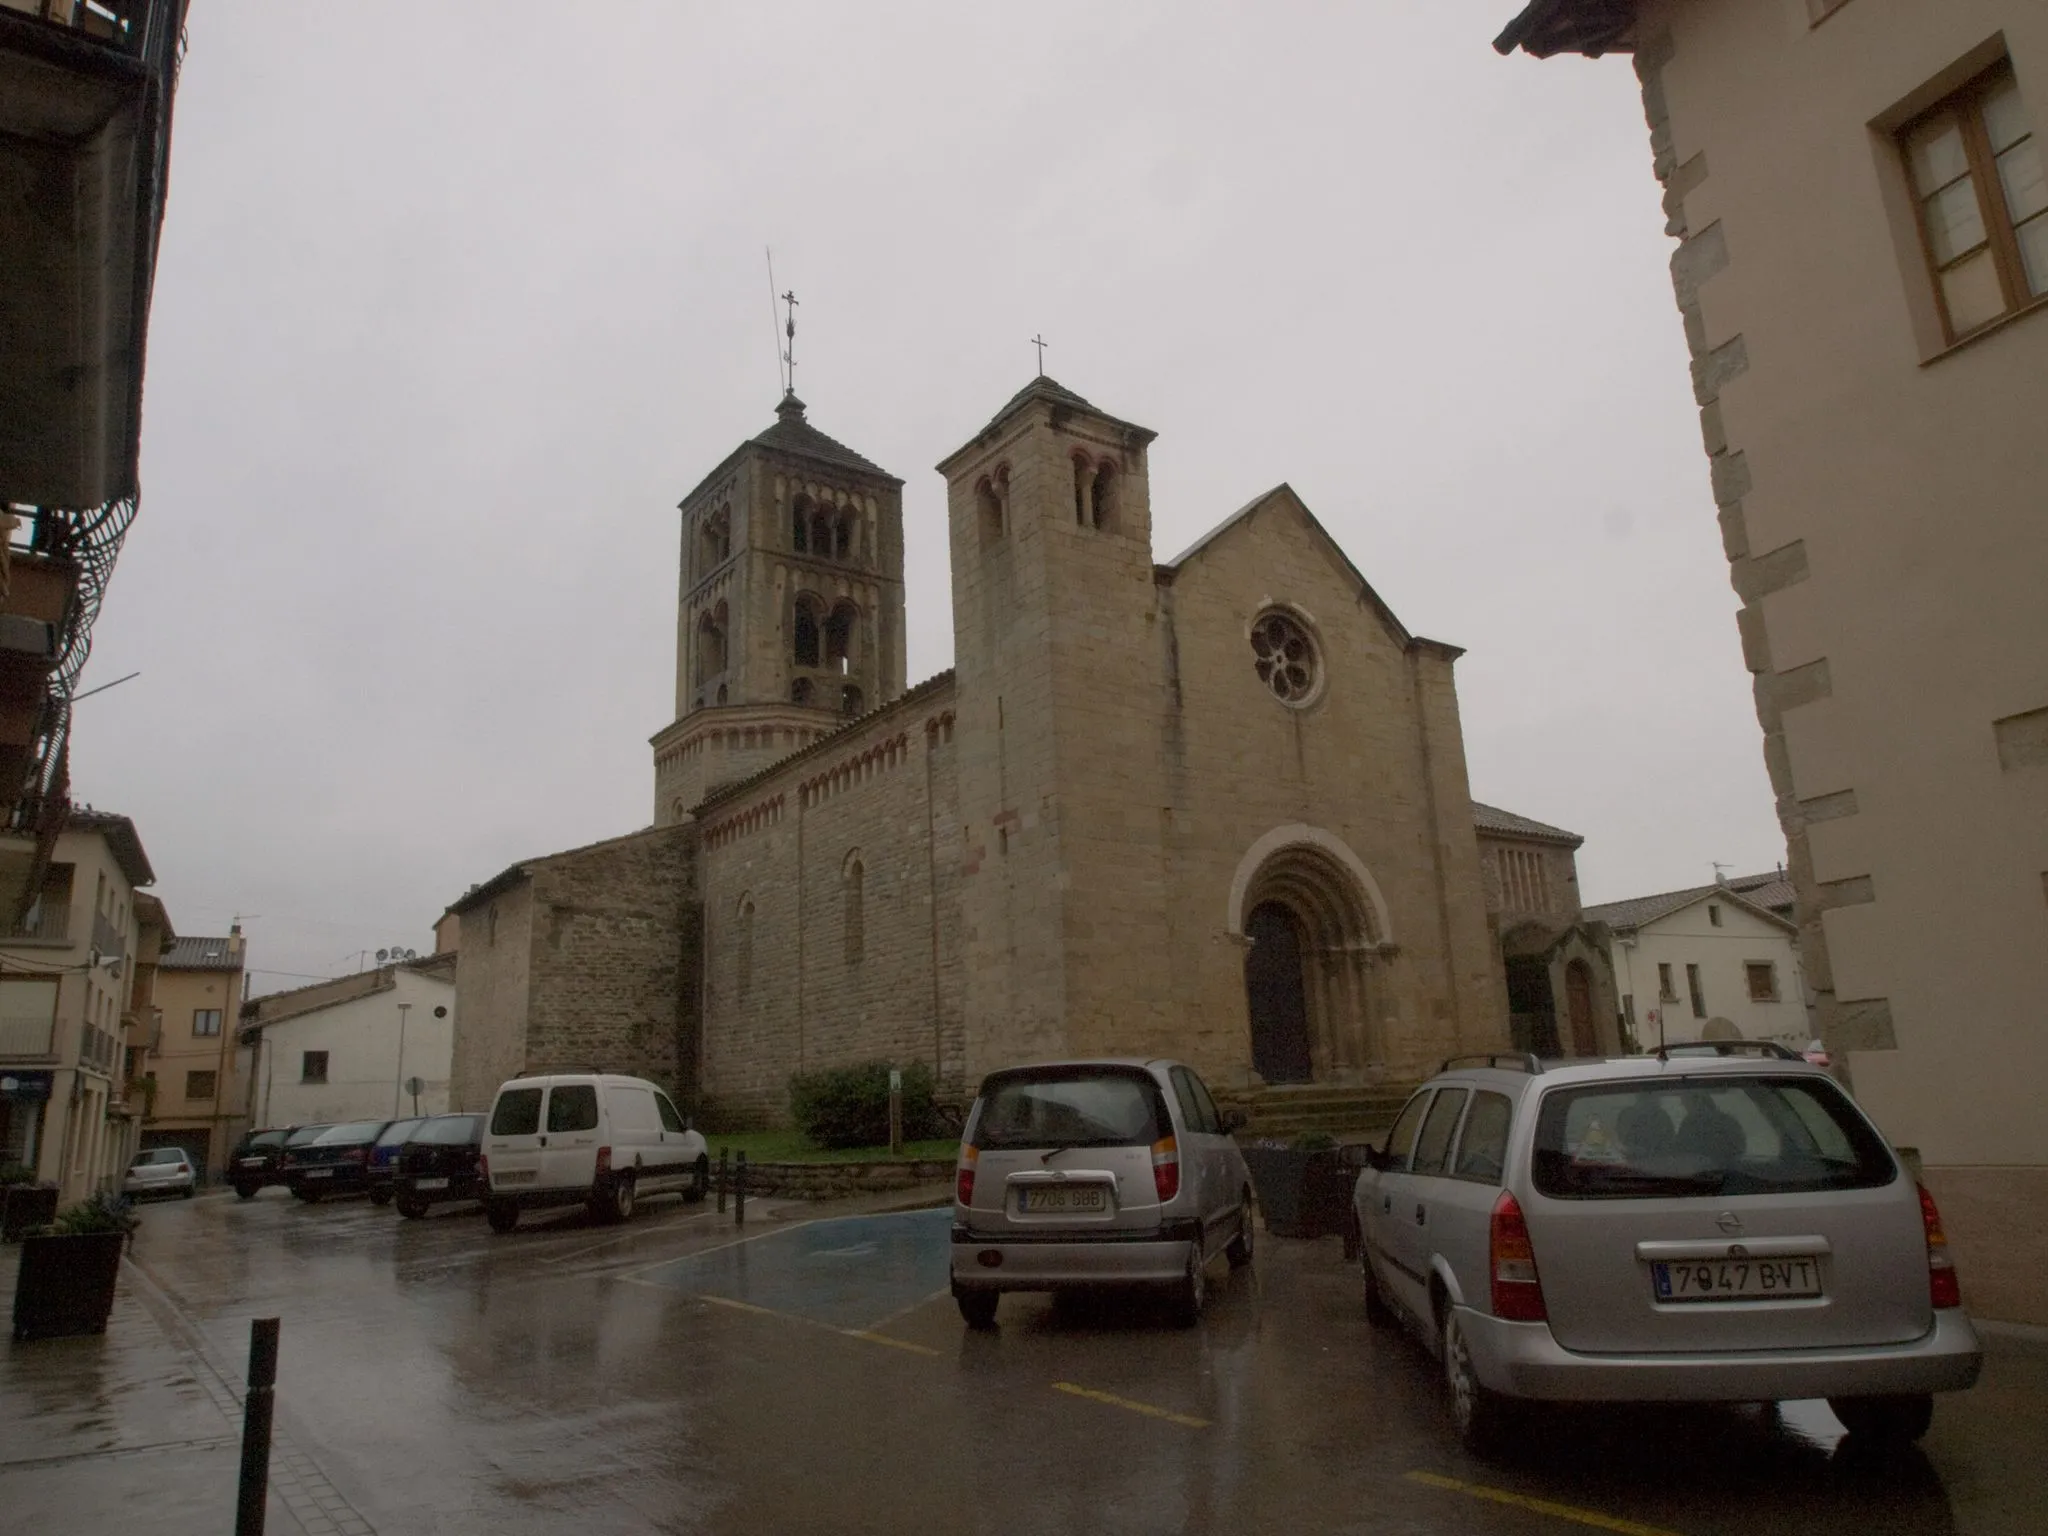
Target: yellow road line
865,1335
1188,1421
1591,1517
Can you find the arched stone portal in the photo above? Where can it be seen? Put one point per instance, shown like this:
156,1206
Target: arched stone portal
1312,920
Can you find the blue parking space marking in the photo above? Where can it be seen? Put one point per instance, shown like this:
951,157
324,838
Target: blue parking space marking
849,1272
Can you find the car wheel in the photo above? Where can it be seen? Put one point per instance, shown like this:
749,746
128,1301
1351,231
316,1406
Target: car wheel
1185,1303
248,1191
502,1217
1477,1413
613,1202
1240,1250
380,1196
700,1184
1378,1310
410,1208
190,1192
978,1308
310,1196
1885,1420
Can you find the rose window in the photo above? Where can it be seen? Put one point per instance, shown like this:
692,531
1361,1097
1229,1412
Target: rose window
1287,658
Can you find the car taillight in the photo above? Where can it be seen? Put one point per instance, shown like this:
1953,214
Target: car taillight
1517,1292
1944,1286
963,1176
357,1154
604,1161
483,1167
1166,1168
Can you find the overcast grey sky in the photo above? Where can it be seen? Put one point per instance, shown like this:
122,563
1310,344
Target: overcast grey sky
456,300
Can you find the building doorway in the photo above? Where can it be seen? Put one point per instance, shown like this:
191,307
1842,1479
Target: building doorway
1578,1002
1276,995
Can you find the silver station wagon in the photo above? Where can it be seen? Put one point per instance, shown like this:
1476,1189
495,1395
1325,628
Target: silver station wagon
1712,1224
1092,1173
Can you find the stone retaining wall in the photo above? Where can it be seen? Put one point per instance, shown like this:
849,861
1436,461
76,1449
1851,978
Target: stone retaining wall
832,1181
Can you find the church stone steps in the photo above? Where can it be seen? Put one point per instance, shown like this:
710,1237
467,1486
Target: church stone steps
1346,1113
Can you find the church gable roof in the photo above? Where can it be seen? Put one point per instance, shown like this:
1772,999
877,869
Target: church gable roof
1049,391
1284,495
793,436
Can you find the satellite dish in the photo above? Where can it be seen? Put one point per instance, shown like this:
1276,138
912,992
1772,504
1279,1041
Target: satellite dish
412,954
382,955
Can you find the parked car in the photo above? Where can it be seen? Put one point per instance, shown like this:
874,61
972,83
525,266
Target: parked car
440,1163
383,1164
336,1162
160,1171
591,1139
294,1148
1091,1173
253,1163
1714,1223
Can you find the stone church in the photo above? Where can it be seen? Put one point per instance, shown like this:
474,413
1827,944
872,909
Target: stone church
1214,807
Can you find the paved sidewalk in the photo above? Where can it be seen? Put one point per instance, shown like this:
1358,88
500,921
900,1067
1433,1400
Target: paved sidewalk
137,1431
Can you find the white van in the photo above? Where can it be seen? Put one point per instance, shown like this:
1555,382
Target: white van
587,1139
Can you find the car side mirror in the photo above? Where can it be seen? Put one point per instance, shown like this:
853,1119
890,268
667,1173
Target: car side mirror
1234,1120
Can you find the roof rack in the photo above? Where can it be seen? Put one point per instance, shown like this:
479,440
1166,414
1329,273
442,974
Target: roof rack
1526,1061
1732,1048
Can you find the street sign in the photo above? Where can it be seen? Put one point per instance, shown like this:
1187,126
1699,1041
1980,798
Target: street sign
415,1086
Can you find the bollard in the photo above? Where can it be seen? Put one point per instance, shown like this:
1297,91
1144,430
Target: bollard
724,1176
255,1489
739,1192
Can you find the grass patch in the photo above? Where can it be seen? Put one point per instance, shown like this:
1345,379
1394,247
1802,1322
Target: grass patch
795,1147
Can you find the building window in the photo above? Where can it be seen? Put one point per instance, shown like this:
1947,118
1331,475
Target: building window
856,911
1699,996
1713,914
199,1086
711,631
1286,658
839,632
804,632
1980,185
992,502
1666,993
1763,980
206,1021
849,701
800,526
746,949
313,1067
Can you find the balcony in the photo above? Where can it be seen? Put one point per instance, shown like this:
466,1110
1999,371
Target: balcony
29,1038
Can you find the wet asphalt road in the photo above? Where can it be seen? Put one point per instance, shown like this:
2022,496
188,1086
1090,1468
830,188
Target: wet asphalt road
812,1376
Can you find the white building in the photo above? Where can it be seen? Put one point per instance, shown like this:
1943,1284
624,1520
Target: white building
1712,962
346,1049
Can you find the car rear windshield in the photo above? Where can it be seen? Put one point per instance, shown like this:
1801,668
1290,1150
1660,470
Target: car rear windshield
1706,1137
157,1155
450,1130
354,1130
307,1133
517,1113
398,1133
1071,1109
268,1139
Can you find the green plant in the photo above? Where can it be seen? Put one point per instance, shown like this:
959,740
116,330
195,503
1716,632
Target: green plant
99,1213
849,1106
16,1173
1314,1141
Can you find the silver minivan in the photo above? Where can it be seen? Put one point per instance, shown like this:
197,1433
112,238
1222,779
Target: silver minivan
1081,1174
1711,1224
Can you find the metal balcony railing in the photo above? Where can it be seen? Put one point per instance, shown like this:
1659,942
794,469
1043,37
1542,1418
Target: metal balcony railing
32,1037
44,925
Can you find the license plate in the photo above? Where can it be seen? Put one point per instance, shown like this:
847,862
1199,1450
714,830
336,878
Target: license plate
1737,1279
319,1173
430,1184
1086,1197
252,1162
514,1176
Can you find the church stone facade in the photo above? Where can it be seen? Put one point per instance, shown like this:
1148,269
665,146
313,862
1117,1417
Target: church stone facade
1214,808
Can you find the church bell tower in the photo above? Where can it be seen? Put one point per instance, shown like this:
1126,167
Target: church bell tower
789,620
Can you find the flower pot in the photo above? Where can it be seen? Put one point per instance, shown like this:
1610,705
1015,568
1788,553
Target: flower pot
66,1284
24,1207
1302,1192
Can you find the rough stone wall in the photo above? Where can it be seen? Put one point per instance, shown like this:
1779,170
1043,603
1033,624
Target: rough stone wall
786,988
608,926
491,979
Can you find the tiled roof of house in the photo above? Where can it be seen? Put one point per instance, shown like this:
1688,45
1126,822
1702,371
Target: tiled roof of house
201,954
792,434
1491,818
121,837
1638,910
1773,890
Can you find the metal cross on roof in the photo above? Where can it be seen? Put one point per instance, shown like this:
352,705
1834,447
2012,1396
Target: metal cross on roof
1040,342
789,330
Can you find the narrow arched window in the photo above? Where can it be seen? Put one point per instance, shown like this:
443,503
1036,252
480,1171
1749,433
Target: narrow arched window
849,701
1102,498
989,499
1081,484
821,535
711,644
800,525
800,691
745,949
856,911
839,630
804,646
842,538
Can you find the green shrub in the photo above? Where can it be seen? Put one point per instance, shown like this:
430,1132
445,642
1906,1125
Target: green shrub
16,1173
1314,1141
849,1106
101,1213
